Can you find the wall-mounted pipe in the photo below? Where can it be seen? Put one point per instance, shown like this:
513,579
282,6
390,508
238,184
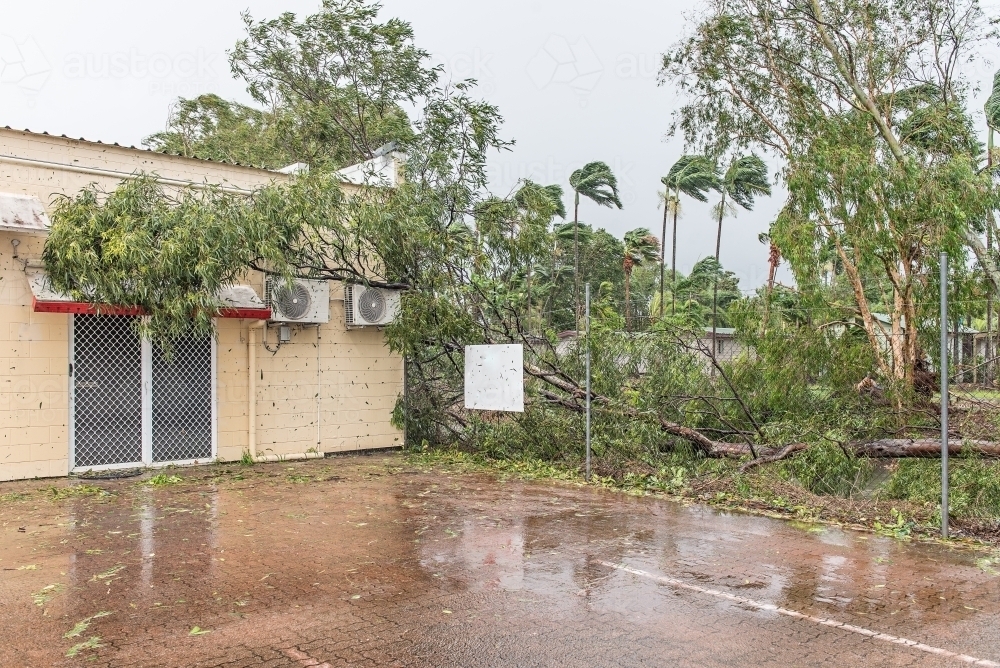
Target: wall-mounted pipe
288,458
252,387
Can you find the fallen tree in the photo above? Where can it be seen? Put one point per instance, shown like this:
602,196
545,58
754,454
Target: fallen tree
888,448
894,448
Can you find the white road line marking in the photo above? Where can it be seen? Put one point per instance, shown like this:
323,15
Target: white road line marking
769,607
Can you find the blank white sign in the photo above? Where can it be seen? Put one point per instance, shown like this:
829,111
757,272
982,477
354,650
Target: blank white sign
494,378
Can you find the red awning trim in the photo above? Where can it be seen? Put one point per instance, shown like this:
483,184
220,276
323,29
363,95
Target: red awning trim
39,306
241,301
83,308
254,313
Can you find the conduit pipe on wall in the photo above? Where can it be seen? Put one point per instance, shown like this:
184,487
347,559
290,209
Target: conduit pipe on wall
252,387
288,458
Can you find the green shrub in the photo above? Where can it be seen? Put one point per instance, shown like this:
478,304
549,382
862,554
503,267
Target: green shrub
826,469
974,485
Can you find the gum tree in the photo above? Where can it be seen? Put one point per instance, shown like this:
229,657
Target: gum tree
864,107
330,86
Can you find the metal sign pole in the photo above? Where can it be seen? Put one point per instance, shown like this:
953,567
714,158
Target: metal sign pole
944,394
587,298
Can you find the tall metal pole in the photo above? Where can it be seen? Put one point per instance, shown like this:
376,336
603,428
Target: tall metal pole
944,395
587,298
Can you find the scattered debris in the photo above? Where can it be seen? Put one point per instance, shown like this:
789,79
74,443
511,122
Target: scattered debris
93,643
82,625
162,479
47,593
108,573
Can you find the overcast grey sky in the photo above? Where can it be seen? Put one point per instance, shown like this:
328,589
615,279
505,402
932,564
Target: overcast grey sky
574,79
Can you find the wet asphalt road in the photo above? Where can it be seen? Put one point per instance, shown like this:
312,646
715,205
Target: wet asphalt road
372,561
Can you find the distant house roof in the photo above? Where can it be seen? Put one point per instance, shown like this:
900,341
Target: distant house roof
885,319
382,170
722,331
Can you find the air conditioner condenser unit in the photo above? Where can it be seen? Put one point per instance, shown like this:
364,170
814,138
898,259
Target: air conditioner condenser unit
299,300
367,306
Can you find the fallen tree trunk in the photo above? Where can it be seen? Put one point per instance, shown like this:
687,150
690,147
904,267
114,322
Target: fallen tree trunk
895,448
891,448
774,456
706,445
888,448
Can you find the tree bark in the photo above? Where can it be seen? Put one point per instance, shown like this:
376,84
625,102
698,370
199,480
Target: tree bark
628,300
985,261
893,448
867,319
673,260
576,261
773,260
715,283
663,250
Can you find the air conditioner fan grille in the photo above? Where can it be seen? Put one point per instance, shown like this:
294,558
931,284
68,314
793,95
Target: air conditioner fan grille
293,301
371,305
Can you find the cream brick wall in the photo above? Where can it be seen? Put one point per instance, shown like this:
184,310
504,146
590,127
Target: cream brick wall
346,406
34,375
330,389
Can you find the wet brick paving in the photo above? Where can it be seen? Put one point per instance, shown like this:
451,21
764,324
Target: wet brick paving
374,561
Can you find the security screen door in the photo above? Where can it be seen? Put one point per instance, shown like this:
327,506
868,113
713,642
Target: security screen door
131,405
182,401
106,391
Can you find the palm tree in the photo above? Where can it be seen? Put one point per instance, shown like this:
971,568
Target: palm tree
531,196
745,178
563,237
694,176
596,182
640,246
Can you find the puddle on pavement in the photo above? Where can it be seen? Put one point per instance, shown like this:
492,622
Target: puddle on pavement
223,551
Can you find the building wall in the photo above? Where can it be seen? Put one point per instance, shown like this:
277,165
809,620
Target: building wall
34,375
337,395
329,389
47,181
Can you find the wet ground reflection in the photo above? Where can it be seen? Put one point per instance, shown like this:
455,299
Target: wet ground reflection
371,561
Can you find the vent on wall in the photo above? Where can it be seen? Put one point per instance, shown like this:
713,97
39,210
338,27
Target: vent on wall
367,306
349,304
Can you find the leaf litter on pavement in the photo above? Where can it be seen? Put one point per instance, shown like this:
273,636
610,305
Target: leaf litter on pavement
93,643
83,624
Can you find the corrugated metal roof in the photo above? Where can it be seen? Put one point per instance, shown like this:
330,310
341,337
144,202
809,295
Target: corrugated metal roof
135,148
22,213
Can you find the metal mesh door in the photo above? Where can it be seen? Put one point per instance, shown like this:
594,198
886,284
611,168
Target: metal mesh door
182,401
107,379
